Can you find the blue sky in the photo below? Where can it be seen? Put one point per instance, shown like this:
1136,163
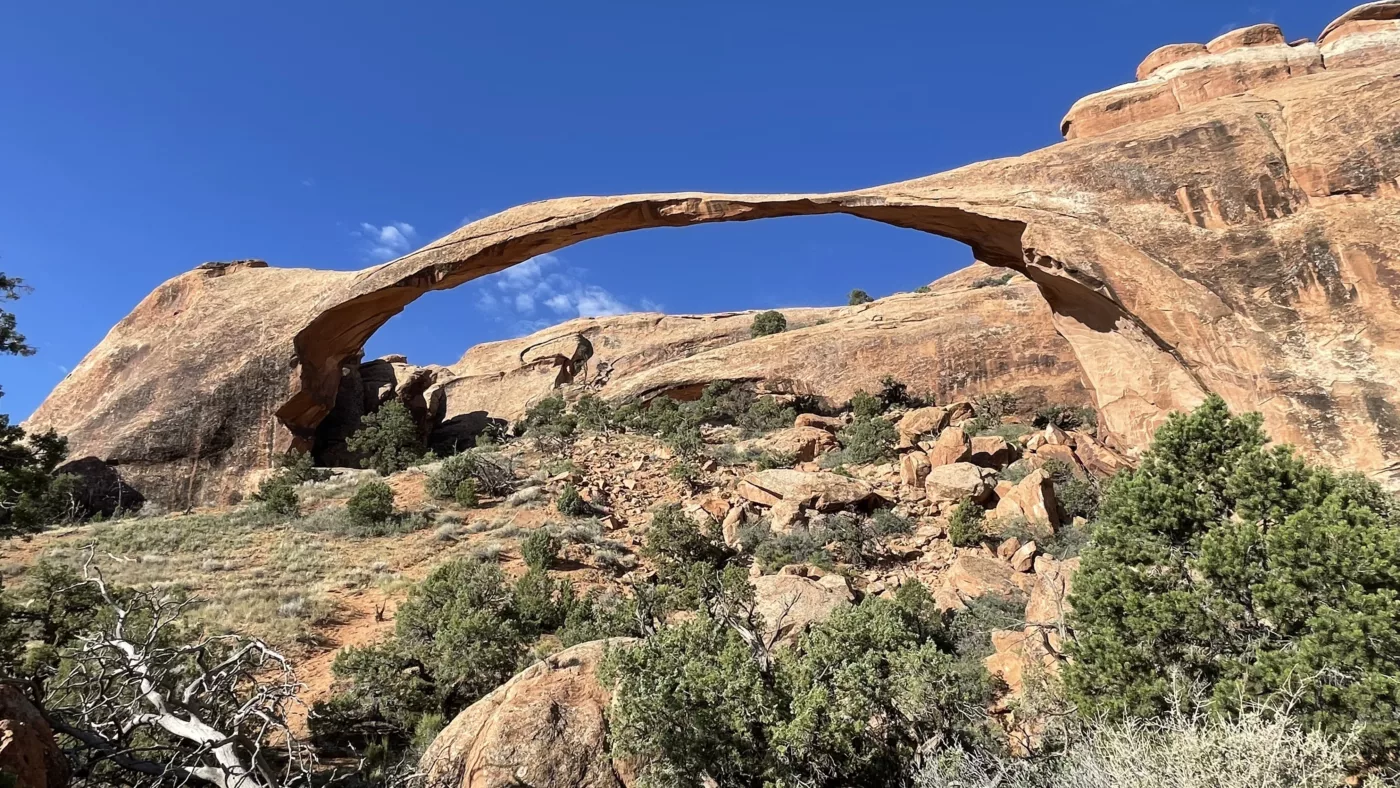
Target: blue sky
141,139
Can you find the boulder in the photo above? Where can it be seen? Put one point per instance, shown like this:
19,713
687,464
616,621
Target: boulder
1019,654
974,574
1023,560
958,482
28,750
1364,36
825,492
1008,548
729,529
1049,598
991,451
803,444
831,424
547,727
920,422
951,446
1060,453
790,604
913,467
1034,499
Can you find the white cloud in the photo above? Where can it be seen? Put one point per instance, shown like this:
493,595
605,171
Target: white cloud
522,291
395,239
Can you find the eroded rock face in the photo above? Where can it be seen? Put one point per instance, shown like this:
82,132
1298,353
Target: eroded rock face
28,751
1226,225
546,727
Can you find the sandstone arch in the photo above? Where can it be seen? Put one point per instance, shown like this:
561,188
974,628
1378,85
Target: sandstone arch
1238,244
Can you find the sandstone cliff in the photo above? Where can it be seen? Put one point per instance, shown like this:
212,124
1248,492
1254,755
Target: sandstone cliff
1225,224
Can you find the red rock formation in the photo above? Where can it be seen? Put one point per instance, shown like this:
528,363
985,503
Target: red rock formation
1225,225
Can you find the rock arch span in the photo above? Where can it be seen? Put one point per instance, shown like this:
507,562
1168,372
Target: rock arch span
1240,244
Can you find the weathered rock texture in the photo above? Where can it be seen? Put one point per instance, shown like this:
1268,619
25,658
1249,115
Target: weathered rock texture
1231,232
546,727
28,752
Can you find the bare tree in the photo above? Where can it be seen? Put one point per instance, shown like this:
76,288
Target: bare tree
143,705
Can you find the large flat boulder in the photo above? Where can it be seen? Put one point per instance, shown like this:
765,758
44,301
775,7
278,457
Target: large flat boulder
825,492
546,727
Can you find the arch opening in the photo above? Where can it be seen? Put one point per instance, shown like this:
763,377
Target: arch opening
340,332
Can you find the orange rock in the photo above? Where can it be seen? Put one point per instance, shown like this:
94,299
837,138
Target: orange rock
1049,600
545,727
1253,36
1035,497
951,446
831,424
1018,655
28,750
959,481
920,422
1023,560
1278,159
1167,55
913,468
991,451
975,574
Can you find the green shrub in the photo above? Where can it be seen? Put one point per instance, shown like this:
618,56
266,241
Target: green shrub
594,413
461,633
768,460
1248,571
685,472
895,393
923,289
886,523
388,439
571,504
550,424
969,631
302,467
540,549
868,440
278,493
372,503
865,405
466,494
675,542
1077,496
800,545
489,473
766,323
858,297
1260,748
1015,472
992,281
1066,417
765,415
693,700
967,526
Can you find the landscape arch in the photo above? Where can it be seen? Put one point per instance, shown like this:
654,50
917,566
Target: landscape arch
1241,245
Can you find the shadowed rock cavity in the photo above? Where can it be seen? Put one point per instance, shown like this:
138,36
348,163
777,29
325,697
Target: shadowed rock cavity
1235,239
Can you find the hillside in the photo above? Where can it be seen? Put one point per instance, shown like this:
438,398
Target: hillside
1113,505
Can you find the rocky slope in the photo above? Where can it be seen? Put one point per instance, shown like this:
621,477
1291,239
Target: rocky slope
971,333
1223,225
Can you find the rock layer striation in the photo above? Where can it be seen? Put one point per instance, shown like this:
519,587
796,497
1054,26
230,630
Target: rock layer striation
1227,225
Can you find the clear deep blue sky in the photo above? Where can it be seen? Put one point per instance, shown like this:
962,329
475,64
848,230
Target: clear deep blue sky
140,139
